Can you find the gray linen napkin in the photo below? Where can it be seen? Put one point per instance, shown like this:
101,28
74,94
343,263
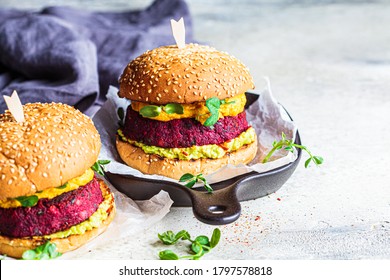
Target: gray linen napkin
69,55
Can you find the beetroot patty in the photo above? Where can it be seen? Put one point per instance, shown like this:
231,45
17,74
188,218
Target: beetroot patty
52,215
181,133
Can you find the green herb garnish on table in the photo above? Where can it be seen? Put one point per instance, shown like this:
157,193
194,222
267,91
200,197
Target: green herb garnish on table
198,246
289,145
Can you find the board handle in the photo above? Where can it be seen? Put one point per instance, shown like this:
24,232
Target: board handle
217,208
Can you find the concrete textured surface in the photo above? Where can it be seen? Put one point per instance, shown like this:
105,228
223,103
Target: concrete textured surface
329,65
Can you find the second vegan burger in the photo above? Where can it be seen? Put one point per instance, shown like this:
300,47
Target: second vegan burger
48,190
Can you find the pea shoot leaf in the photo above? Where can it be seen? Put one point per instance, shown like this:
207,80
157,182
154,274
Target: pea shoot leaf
168,255
307,162
173,108
215,237
98,166
318,159
63,186
211,120
203,240
196,247
150,111
186,177
193,179
183,235
45,251
191,183
213,104
121,113
103,161
205,184
28,201
168,237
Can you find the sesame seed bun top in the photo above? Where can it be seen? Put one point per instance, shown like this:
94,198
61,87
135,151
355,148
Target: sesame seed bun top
55,144
191,74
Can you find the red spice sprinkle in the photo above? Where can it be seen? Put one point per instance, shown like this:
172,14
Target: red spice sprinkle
278,199
257,218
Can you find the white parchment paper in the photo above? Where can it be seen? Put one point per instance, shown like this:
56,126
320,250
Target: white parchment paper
266,115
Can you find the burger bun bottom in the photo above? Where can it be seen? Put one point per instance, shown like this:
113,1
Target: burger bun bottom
174,168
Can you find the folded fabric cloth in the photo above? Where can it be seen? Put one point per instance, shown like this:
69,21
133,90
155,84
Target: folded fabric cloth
68,55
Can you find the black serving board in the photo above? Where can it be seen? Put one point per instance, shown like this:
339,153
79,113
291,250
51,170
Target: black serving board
223,205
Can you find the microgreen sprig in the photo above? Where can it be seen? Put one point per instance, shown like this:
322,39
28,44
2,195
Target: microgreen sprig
173,108
28,201
169,238
46,251
288,145
151,111
213,104
193,179
121,115
199,246
98,166
64,186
